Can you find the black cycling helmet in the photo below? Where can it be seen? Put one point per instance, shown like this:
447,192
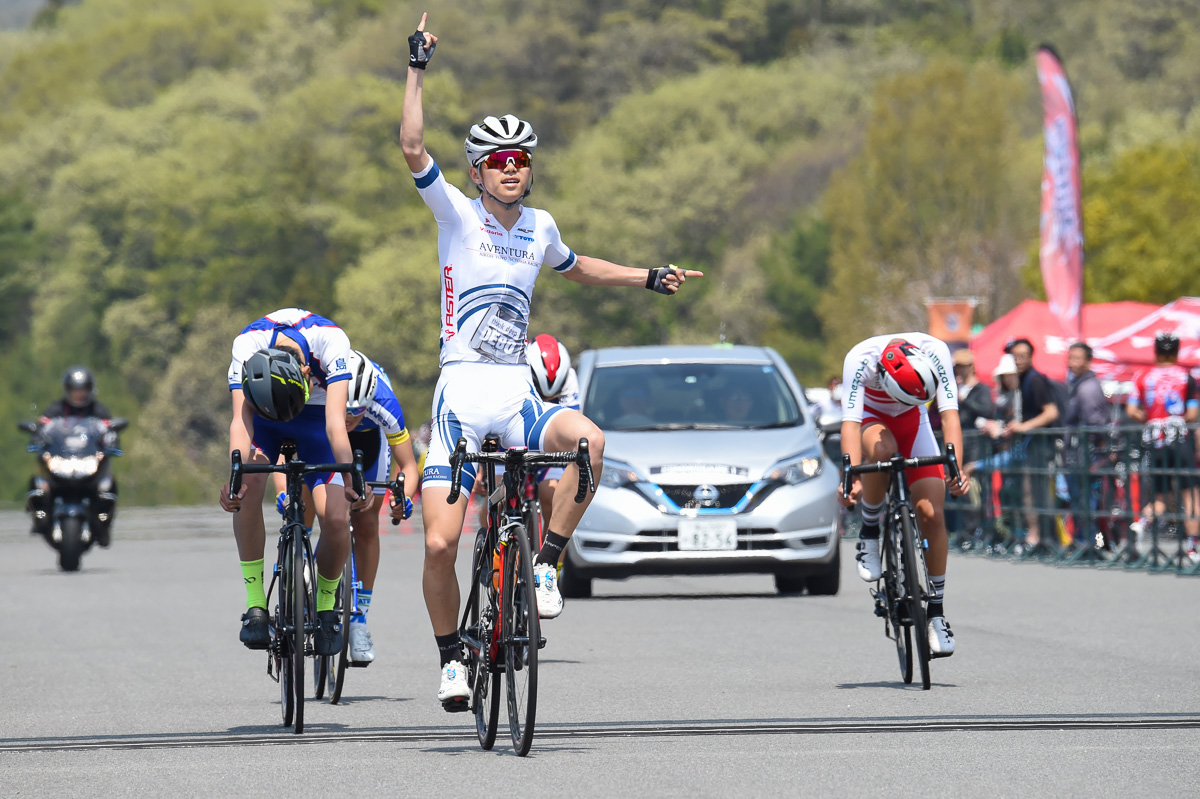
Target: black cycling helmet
79,377
274,385
1166,343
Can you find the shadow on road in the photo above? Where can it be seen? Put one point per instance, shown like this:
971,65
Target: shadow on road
897,685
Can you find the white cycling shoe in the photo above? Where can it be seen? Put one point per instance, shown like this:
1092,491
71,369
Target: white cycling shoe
941,639
545,582
362,648
454,692
868,562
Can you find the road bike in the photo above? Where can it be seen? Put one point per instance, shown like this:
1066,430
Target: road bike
901,599
329,672
295,617
500,628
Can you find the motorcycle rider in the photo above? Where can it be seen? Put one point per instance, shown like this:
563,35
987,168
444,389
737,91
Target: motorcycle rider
78,401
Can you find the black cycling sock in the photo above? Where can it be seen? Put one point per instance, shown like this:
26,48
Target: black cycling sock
552,547
934,609
869,530
449,647
871,514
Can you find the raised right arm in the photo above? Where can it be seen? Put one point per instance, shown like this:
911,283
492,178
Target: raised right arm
412,117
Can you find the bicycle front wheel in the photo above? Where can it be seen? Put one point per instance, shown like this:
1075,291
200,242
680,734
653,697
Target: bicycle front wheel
299,600
893,589
915,579
283,641
520,637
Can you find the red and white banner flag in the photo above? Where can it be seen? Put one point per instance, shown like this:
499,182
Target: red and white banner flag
1061,252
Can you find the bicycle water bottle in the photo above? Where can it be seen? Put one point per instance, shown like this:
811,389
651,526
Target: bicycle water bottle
497,559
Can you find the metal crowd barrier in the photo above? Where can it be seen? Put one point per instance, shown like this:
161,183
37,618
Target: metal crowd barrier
1118,496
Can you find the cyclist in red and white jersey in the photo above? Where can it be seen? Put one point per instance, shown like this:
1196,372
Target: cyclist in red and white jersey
1166,399
887,383
490,251
557,384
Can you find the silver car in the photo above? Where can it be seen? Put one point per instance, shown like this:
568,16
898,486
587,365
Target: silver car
712,466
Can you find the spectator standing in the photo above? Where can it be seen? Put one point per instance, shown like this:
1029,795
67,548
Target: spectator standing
1038,412
975,411
1086,407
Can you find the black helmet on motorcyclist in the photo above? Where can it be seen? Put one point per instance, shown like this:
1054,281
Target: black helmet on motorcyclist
1166,343
274,384
78,379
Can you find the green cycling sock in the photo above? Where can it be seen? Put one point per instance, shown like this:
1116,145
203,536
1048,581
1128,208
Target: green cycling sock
326,592
252,574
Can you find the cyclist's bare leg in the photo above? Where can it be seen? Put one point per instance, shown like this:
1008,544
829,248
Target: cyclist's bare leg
366,542
878,444
334,513
929,499
439,582
248,526
563,434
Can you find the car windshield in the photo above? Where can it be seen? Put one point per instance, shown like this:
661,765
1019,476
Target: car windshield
690,396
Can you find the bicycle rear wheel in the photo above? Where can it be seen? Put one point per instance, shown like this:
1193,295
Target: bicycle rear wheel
299,602
520,636
893,589
481,621
915,579
339,662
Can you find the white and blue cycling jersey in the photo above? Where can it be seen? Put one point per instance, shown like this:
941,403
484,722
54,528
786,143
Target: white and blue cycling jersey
384,413
488,272
325,346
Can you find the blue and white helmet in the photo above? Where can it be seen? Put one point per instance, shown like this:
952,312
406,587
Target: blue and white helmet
501,133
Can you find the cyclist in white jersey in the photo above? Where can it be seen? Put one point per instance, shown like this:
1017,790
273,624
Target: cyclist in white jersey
490,250
887,383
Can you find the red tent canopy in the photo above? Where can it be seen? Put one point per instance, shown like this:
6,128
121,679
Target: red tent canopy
1032,320
1130,348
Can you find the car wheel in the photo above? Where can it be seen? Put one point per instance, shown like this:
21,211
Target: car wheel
827,582
571,584
790,583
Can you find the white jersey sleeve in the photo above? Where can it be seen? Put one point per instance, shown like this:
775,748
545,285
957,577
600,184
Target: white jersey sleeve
569,398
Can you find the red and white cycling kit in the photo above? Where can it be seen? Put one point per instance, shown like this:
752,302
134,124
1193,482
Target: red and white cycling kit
487,277
1166,393
865,401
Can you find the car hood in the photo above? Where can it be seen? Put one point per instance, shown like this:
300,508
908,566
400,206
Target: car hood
711,456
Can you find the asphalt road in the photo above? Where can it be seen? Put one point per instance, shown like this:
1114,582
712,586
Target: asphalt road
127,679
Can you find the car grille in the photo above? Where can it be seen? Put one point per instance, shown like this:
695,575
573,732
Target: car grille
727,495
668,541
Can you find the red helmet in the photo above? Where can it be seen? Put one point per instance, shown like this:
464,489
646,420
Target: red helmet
550,363
908,375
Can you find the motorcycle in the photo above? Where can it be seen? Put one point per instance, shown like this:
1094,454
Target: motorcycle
73,496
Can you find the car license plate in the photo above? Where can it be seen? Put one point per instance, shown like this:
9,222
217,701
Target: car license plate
707,534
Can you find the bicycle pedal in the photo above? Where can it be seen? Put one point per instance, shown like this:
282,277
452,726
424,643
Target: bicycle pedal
359,664
935,655
459,704
542,642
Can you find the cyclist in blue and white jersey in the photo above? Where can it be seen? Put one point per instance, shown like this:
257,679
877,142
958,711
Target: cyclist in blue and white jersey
375,422
490,251
288,379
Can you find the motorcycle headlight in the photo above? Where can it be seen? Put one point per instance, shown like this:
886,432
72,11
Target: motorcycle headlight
73,467
619,475
797,469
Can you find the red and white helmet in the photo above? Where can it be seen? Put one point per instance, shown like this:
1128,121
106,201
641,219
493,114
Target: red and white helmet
908,375
550,363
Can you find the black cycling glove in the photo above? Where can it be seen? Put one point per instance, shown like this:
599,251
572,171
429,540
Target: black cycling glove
654,280
418,56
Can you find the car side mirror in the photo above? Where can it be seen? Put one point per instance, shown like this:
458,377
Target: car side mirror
118,424
27,427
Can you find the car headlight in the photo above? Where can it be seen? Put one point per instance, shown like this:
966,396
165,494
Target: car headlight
797,469
73,467
619,475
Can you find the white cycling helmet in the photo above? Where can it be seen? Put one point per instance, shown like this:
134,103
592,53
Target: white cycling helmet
908,375
363,381
501,133
550,363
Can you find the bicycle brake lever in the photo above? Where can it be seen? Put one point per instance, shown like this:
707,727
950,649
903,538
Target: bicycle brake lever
847,480
456,463
584,462
235,473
